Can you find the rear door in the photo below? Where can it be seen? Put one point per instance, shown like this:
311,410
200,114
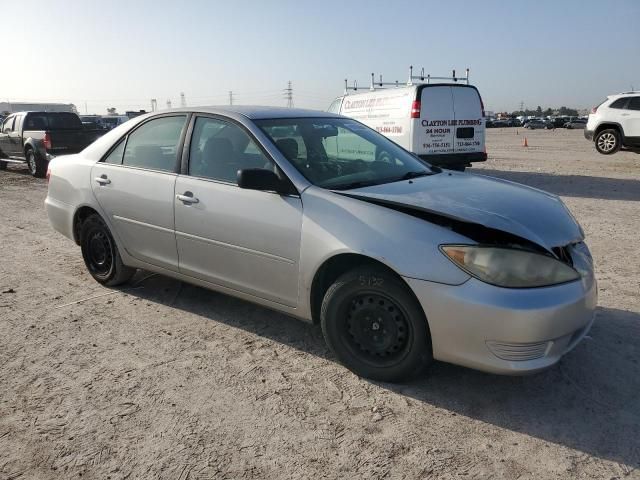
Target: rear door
134,185
434,133
468,121
631,122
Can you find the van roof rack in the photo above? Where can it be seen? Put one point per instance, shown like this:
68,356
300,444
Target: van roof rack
413,80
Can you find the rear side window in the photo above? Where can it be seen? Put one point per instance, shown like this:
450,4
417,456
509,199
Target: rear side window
155,144
619,103
52,121
634,103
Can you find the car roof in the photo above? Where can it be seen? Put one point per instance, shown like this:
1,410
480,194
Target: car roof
255,112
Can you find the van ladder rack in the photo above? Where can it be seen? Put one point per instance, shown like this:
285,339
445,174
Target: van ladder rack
421,79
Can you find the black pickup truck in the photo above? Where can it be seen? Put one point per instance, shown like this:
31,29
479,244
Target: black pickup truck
35,138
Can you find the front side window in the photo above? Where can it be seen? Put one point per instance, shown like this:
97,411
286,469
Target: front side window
335,106
634,103
115,157
220,149
154,145
340,153
7,125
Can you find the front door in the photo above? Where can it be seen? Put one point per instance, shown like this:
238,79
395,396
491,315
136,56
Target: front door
135,184
245,240
5,136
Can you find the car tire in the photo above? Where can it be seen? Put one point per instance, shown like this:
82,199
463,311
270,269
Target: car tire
3,165
608,141
375,326
100,253
36,164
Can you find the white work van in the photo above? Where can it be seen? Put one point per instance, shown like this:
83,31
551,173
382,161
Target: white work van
441,122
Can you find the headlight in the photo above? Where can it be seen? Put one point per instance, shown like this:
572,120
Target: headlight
511,268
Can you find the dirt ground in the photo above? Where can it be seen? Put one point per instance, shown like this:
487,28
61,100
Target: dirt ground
165,380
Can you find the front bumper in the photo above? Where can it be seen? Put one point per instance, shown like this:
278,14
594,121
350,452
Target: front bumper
506,331
588,134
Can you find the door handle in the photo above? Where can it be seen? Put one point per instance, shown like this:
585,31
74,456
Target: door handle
102,180
624,114
187,197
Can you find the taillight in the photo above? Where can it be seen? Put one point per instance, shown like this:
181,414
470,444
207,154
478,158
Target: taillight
594,109
415,109
47,141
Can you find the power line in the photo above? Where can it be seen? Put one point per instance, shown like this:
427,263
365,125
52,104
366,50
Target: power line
288,94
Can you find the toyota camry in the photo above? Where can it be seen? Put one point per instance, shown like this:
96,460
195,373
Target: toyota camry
318,216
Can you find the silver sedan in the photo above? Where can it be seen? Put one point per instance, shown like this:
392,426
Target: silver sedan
322,218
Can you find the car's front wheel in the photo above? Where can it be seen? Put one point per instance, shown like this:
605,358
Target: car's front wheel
100,253
375,326
608,141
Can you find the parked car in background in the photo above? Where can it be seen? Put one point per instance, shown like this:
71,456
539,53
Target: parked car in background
442,123
514,122
500,123
535,124
112,121
615,123
35,138
577,123
398,261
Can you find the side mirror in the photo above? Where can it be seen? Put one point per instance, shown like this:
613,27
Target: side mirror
263,180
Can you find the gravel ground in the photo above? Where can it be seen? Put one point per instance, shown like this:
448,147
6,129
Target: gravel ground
165,380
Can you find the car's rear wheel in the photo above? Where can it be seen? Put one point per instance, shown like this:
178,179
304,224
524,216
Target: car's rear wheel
608,141
3,165
100,253
375,326
37,165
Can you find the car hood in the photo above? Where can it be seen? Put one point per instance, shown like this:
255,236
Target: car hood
525,212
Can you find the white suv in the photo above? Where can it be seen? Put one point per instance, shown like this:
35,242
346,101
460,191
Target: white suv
615,123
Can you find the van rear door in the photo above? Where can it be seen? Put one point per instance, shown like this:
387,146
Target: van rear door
469,124
433,133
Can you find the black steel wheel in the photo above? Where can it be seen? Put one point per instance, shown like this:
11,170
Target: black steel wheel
100,253
375,326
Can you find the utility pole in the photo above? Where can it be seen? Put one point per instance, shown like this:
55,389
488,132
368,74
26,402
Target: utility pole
288,94
183,100
168,103
86,112
154,104
522,107
230,97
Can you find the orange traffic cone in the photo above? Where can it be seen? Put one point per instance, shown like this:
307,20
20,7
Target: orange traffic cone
525,143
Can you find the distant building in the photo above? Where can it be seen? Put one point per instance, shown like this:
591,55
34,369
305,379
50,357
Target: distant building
11,107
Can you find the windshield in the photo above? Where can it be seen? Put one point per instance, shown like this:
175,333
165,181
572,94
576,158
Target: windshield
339,154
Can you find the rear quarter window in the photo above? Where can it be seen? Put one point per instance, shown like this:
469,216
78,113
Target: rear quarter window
619,103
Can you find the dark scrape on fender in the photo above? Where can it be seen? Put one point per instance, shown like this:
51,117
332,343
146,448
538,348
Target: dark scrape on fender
475,231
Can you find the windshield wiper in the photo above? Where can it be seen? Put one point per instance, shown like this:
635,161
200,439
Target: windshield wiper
349,186
410,175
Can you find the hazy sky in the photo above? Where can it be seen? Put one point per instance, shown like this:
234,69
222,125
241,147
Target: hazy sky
123,53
